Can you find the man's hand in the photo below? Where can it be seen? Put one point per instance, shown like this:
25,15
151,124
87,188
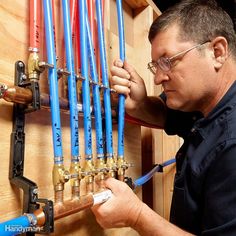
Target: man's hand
121,210
125,80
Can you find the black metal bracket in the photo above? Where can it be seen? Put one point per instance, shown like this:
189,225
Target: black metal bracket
31,202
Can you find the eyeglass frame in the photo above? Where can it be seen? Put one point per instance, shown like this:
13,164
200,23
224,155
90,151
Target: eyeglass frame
170,59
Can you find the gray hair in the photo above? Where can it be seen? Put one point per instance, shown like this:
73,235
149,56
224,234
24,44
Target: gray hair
198,20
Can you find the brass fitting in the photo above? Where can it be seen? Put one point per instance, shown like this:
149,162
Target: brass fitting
35,67
111,166
88,167
88,173
75,172
89,184
101,170
122,166
60,176
100,164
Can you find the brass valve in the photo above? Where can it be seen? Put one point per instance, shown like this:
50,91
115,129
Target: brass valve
60,176
35,67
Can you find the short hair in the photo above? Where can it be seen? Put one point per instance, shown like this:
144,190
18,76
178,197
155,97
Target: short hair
198,20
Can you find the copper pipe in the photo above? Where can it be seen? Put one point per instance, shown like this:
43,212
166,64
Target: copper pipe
24,96
75,205
75,192
40,215
59,196
89,184
18,95
72,206
121,176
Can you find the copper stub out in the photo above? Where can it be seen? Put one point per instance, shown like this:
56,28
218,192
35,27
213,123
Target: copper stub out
75,191
121,177
59,196
70,207
18,95
40,217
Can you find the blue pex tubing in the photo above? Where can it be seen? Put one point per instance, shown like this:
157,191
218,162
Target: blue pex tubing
53,83
17,226
121,103
74,121
85,82
105,81
96,94
143,179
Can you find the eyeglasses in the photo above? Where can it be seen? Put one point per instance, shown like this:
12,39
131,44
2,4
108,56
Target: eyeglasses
164,63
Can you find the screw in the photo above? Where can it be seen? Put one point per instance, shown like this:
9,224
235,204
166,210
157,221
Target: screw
35,191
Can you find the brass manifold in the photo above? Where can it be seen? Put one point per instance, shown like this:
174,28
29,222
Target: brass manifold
101,169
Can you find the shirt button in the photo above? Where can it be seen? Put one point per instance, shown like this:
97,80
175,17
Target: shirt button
193,130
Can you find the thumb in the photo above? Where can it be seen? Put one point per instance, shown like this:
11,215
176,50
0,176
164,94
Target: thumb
115,185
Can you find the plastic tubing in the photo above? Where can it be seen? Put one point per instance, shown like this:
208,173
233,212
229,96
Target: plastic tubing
73,9
143,179
53,83
34,25
91,19
75,31
85,82
121,101
107,100
74,116
96,94
16,226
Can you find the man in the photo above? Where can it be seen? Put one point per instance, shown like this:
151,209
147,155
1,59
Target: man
194,59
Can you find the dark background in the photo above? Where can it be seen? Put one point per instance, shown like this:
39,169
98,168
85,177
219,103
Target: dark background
228,5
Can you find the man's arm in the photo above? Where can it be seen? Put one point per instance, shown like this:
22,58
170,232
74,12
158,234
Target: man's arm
125,209
151,224
152,111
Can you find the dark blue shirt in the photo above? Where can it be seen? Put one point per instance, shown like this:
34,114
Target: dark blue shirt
204,197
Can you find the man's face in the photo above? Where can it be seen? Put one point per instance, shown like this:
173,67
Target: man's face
190,83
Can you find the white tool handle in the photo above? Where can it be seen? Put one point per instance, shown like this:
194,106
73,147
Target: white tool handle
101,197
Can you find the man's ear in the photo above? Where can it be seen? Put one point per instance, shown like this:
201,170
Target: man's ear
220,50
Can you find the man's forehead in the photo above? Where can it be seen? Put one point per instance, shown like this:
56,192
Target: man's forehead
165,38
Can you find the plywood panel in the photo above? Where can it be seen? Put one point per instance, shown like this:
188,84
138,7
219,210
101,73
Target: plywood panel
14,31
14,19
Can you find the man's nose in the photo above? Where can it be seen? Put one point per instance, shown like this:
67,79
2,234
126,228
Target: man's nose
160,76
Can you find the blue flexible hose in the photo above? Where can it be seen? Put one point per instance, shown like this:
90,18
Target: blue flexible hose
16,226
96,94
121,101
105,81
74,121
143,179
85,82
53,83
